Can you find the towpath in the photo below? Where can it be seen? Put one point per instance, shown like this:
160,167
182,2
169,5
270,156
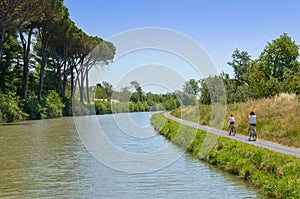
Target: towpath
259,143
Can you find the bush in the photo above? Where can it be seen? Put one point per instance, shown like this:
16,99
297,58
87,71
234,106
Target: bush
67,110
33,108
54,105
103,107
1,119
9,107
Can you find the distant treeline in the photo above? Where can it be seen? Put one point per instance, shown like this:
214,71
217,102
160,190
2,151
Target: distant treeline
131,99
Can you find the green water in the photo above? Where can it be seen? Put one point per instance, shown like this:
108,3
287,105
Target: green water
46,159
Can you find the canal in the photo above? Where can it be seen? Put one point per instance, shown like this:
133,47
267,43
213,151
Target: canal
108,156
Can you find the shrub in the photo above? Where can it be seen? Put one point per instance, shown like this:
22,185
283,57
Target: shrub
67,110
33,108
1,119
9,108
54,105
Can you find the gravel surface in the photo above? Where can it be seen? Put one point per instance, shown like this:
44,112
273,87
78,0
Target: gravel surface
259,143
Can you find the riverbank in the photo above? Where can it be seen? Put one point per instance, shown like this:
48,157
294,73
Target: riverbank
275,175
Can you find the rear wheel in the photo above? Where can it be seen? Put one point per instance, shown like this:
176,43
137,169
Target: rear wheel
231,130
252,134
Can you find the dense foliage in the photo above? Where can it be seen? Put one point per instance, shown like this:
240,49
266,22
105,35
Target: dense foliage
109,101
276,70
44,58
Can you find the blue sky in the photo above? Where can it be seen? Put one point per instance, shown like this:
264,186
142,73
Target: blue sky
218,27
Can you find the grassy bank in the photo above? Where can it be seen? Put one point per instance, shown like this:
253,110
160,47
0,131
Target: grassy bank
277,118
275,175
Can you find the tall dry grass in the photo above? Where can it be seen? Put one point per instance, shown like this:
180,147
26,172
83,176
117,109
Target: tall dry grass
278,118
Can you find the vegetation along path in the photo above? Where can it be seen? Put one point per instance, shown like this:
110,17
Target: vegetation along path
259,143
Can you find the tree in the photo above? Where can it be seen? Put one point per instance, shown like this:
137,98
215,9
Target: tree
277,57
12,15
212,90
32,16
108,88
53,12
9,69
61,51
273,71
204,93
138,89
98,52
241,62
191,87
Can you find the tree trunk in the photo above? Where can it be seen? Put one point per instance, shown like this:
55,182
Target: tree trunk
59,81
72,82
65,79
26,54
87,85
42,70
80,79
2,42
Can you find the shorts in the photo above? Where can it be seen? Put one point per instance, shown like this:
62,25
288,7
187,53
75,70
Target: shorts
231,122
252,124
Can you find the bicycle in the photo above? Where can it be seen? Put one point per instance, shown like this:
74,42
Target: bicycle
252,133
231,129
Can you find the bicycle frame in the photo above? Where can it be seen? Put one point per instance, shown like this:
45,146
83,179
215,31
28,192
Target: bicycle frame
231,129
252,133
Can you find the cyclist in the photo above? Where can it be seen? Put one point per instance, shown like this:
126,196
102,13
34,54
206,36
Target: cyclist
252,123
231,124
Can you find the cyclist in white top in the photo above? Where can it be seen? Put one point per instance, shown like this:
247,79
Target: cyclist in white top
231,125
252,120
231,119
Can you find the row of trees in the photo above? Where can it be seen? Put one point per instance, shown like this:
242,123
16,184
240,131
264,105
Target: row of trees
42,50
276,70
132,99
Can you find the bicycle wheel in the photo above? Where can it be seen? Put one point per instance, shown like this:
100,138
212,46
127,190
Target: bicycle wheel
250,133
233,130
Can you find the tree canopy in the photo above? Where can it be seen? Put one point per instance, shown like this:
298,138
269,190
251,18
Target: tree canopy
42,49
276,70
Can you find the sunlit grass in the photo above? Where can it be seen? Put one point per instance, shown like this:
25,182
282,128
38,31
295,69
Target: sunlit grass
278,118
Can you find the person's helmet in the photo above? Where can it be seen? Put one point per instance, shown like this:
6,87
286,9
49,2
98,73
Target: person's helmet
252,113
231,115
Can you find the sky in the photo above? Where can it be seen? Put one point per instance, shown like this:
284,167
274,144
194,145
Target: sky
217,26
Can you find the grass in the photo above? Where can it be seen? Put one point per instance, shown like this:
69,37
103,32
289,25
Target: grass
277,118
275,175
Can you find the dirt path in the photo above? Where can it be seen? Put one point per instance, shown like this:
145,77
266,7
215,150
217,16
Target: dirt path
259,143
